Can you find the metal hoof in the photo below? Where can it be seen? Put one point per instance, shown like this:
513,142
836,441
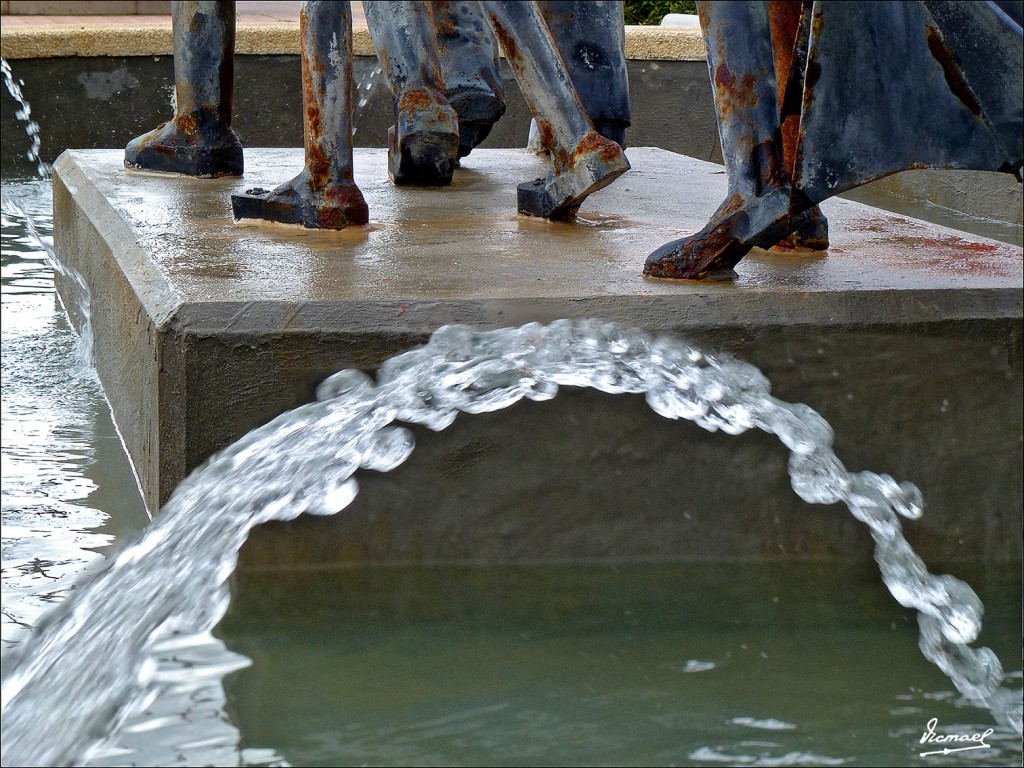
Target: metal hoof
205,153
704,255
810,233
425,159
337,207
594,163
478,111
740,223
471,136
423,145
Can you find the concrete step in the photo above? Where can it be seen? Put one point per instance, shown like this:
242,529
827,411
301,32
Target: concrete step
906,336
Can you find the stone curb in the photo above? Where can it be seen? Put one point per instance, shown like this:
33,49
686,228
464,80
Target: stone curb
273,38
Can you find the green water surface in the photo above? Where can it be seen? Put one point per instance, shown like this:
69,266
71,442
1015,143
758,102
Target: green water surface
731,664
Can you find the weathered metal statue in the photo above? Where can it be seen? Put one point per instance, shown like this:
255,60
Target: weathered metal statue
589,35
441,64
869,89
813,97
198,141
442,110
323,195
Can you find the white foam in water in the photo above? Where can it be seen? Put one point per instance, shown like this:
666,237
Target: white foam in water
709,755
766,724
90,665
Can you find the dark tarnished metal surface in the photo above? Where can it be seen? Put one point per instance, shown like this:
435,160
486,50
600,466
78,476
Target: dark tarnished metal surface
323,195
867,114
742,67
424,141
790,22
814,99
591,37
582,161
433,53
198,141
468,53
988,48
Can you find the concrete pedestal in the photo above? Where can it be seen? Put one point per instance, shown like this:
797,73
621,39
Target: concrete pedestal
906,336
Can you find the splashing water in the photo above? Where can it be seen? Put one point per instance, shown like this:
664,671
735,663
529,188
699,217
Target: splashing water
363,89
24,114
82,295
86,670
72,680
366,85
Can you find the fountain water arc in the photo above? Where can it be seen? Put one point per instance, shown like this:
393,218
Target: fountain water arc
172,581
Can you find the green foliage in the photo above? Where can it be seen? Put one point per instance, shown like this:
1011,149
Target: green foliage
651,11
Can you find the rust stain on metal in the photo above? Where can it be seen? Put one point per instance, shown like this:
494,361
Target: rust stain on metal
724,78
444,18
748,84
764,158
732,203
559,155
319,164
606,149
547,135
417,100
312,113
347,208
951,69
507,43
732,92
316,159
430,70
186,122
719,249
785,18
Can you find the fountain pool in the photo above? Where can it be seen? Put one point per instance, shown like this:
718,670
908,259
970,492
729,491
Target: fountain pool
717,663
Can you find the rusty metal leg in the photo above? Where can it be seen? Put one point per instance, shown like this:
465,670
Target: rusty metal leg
468,54
591,38
582,161
423,143
199,140
790,22
756,210
323,195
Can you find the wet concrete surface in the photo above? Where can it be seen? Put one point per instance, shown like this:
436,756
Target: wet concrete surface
466,242
205,329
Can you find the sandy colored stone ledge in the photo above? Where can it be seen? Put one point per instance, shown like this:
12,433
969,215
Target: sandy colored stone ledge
665,44
269,38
